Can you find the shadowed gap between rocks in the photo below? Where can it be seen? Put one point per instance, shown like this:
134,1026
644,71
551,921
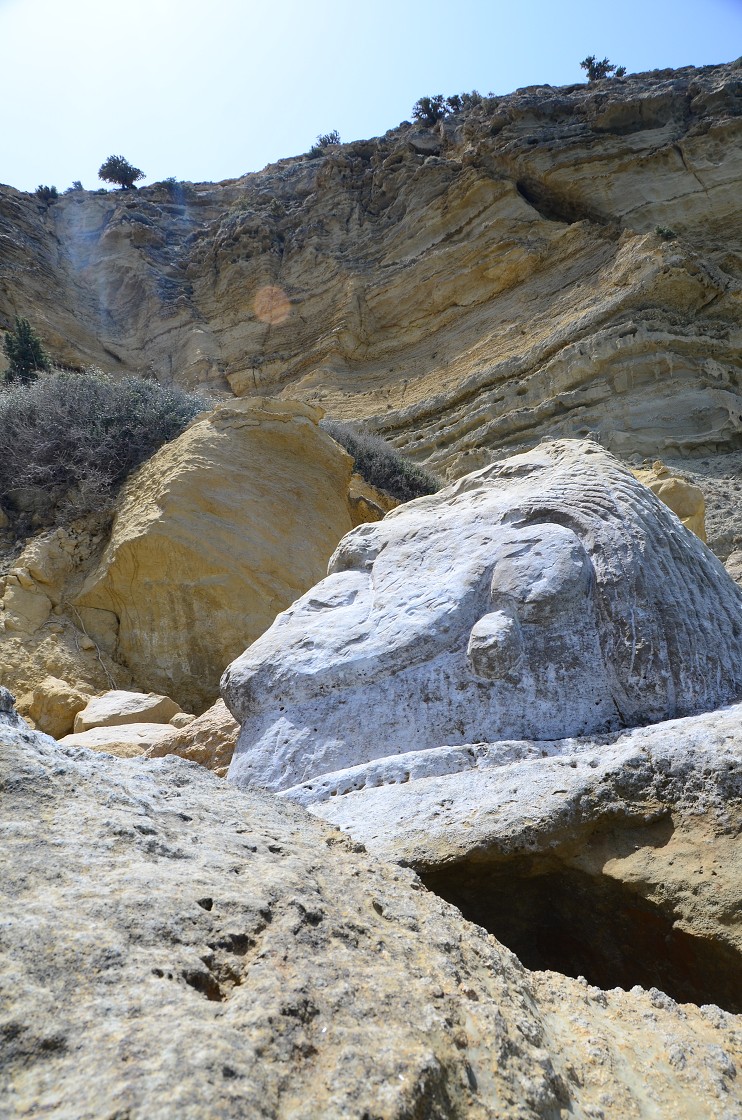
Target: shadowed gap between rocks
563,919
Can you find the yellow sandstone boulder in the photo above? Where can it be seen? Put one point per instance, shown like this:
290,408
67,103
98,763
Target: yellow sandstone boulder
218,532
209,740
682,497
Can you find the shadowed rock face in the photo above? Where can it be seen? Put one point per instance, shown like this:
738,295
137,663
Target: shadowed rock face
547,596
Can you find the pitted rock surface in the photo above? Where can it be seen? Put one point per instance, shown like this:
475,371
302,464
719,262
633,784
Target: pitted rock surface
548,596
175,947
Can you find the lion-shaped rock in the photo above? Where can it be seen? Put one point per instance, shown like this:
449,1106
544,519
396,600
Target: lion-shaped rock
546,596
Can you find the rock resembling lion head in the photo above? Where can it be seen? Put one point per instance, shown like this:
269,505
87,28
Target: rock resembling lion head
547,596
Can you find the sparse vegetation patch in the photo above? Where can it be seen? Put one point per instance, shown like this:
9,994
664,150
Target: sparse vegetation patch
599,69
68,440
381,465
429,110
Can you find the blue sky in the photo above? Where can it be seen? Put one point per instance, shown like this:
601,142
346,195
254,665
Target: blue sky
207,91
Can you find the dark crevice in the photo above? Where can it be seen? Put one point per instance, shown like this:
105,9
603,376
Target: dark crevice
552,207
563,919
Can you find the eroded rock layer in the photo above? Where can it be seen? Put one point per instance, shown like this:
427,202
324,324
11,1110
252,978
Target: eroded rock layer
467,289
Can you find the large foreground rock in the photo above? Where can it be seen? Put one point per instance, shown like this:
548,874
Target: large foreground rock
547,596
219,531
172,946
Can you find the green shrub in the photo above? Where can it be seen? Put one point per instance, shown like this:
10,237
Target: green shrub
46,194
25,353
68,440
604,69
665,233
324,140
116,169
429,110
381,465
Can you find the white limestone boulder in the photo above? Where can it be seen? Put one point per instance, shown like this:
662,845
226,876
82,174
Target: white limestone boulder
547,596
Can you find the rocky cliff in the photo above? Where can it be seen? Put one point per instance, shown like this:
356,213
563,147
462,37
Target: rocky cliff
559,261
513,688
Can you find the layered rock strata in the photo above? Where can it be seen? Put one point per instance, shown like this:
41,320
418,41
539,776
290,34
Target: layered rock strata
560,261
172,945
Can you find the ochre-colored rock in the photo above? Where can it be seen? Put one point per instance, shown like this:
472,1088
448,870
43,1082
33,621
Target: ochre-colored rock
734,566
209,739
218,532
681,496
366,502
128,740
54,706
468,289
45,644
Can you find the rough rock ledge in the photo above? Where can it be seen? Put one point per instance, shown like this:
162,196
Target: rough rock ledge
173,946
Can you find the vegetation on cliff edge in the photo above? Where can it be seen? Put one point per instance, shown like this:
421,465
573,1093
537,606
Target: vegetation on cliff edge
25,353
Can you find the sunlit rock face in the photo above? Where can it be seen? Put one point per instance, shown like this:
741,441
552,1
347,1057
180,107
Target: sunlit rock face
467,289
550,595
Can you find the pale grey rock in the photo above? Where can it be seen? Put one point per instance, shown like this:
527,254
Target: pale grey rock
127,740
172,946
118,707
545,597
513,796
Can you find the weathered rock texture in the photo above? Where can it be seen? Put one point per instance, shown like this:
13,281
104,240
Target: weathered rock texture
54,656
209,740
219,531
388,279
550,595
127,740
720,479
172,946
614,857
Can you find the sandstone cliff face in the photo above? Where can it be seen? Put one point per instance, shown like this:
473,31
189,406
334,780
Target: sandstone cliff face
466,289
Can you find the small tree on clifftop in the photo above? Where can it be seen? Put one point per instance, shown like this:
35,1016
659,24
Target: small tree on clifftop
601,69
118,170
